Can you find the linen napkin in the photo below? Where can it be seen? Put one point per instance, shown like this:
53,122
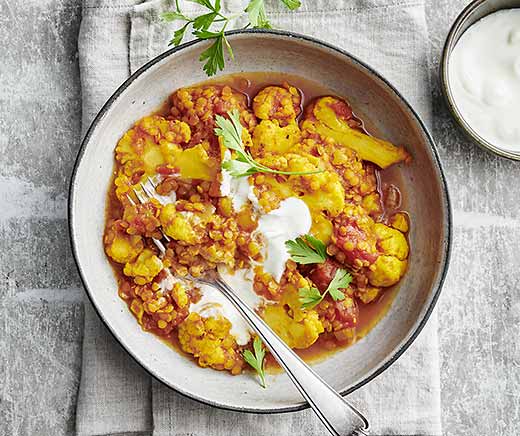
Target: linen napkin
116,396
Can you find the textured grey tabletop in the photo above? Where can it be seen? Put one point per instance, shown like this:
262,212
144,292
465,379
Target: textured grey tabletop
40,292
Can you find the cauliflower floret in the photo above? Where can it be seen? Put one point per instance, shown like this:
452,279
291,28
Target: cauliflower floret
125,150
400,222
144,268
298,328
391,265
327,194
121,246
372,204
331,118
178,226
124,188
179,294
210,342
277,103
321,227
368,294
391,242
269,137
178,132
387,271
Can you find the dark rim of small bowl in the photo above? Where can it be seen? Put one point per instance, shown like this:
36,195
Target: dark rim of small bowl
446,201
449,45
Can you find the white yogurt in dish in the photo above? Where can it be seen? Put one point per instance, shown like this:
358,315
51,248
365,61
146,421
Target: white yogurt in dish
213,303
484,73
290,220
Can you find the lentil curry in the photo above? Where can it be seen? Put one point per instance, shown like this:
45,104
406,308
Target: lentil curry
355,213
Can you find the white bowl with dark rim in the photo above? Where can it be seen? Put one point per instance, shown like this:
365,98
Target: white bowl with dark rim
424,191
475,11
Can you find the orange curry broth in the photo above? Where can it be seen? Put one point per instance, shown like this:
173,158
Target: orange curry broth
390,179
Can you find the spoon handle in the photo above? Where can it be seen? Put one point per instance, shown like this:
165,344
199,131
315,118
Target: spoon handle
340,418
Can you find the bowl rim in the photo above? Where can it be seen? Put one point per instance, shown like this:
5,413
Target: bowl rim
447,236
449,45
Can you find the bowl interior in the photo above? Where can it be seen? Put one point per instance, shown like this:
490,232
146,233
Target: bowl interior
424,195
469,16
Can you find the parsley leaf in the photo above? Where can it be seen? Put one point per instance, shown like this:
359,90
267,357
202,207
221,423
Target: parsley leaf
202,22
292,4
256,361
178,35
306,250
214,57
257,16
310,297
341,280
214,18
244,164
173,16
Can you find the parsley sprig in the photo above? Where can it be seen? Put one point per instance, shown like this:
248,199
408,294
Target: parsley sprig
311,297
244,164
213,56
256,361
307,249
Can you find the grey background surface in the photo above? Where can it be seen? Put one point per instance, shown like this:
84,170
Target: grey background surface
41,312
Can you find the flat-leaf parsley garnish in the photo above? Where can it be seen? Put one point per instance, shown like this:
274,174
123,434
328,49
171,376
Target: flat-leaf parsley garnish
306,250
256,361
311,297
244,164
213,56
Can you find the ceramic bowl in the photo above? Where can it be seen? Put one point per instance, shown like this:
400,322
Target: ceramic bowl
390,116
470,15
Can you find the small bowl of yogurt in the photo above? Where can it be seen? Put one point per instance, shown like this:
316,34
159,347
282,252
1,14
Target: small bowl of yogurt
480,74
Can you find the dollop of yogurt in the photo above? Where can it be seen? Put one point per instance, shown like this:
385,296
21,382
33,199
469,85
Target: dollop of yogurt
213,303
290,220
484,71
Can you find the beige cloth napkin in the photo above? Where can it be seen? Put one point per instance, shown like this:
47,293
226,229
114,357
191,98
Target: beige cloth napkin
116,395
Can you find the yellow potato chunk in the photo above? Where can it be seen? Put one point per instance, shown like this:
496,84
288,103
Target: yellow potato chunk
193,163
391,241
144,268
387,271
152,157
